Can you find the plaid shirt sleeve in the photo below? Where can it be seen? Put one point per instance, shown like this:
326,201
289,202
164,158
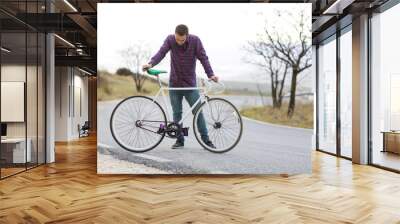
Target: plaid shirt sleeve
161,53
202,56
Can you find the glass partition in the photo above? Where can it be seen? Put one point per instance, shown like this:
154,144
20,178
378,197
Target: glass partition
327,95
14,153
346,93
32,87
385,89
31,97
41,87
22,77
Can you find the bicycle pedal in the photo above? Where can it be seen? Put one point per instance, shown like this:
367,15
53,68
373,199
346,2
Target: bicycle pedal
161,129
185,131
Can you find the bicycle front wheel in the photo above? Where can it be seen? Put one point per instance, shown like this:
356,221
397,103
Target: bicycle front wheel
137,124
223,123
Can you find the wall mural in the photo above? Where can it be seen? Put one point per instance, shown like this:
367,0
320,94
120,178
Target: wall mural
204,88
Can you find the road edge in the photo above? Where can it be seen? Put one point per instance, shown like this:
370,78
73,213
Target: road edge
278,125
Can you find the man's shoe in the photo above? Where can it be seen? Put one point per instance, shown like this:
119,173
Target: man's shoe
178,145
210,144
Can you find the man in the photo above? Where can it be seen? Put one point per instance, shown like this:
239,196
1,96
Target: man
185,49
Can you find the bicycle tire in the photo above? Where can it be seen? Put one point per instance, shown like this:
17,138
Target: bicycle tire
122,144
198,137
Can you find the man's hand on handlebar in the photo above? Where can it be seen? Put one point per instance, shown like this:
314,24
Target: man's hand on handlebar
214,78
146,66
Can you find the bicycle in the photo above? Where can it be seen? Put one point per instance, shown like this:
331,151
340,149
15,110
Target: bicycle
139,123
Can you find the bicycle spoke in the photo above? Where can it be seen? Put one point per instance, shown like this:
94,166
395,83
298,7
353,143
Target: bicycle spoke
228,131
122,125
232,126
150,113
225,137
148,136
129,135
123,119
212,131
229,136
140,139
125,129
124,113
228,116
219,137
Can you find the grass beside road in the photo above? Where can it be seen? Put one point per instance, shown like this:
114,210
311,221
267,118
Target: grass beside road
238,92
111,87
303,116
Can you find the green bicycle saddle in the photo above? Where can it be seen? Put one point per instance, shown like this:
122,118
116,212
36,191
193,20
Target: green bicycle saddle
151,71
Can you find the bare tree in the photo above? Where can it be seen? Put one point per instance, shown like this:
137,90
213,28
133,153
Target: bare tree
261,94
134,56
275,68
294,50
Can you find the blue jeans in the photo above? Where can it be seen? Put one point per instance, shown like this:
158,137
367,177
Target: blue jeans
191,96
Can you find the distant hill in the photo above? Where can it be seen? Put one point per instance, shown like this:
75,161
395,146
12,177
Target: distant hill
252,88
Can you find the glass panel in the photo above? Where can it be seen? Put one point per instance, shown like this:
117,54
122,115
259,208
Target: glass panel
31,88
41,98
31,97
13,86
314,78
386,89
346,93
327,96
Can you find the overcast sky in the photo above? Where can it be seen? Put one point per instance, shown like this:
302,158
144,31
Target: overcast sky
223,28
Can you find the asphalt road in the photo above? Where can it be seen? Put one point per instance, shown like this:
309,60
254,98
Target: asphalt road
263,149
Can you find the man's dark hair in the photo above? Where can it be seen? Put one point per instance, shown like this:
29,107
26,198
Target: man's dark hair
182,30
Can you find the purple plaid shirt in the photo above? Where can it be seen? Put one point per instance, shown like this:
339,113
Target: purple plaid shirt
183,60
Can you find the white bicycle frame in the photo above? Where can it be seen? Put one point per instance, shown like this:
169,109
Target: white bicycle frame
203,97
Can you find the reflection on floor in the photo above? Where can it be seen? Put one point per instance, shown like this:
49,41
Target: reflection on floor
346,152
10,169
387,159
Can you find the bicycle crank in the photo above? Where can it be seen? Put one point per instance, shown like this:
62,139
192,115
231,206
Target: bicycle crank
173,129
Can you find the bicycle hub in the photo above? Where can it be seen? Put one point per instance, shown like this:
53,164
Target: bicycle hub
217,125
138,123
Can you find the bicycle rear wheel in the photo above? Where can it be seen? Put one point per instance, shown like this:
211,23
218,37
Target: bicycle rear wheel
223,122
137,124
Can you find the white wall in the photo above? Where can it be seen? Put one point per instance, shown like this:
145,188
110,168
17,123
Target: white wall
70,83
12,73
62,81
33,126
79,117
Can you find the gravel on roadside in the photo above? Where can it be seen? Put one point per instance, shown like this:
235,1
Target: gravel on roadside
107,164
